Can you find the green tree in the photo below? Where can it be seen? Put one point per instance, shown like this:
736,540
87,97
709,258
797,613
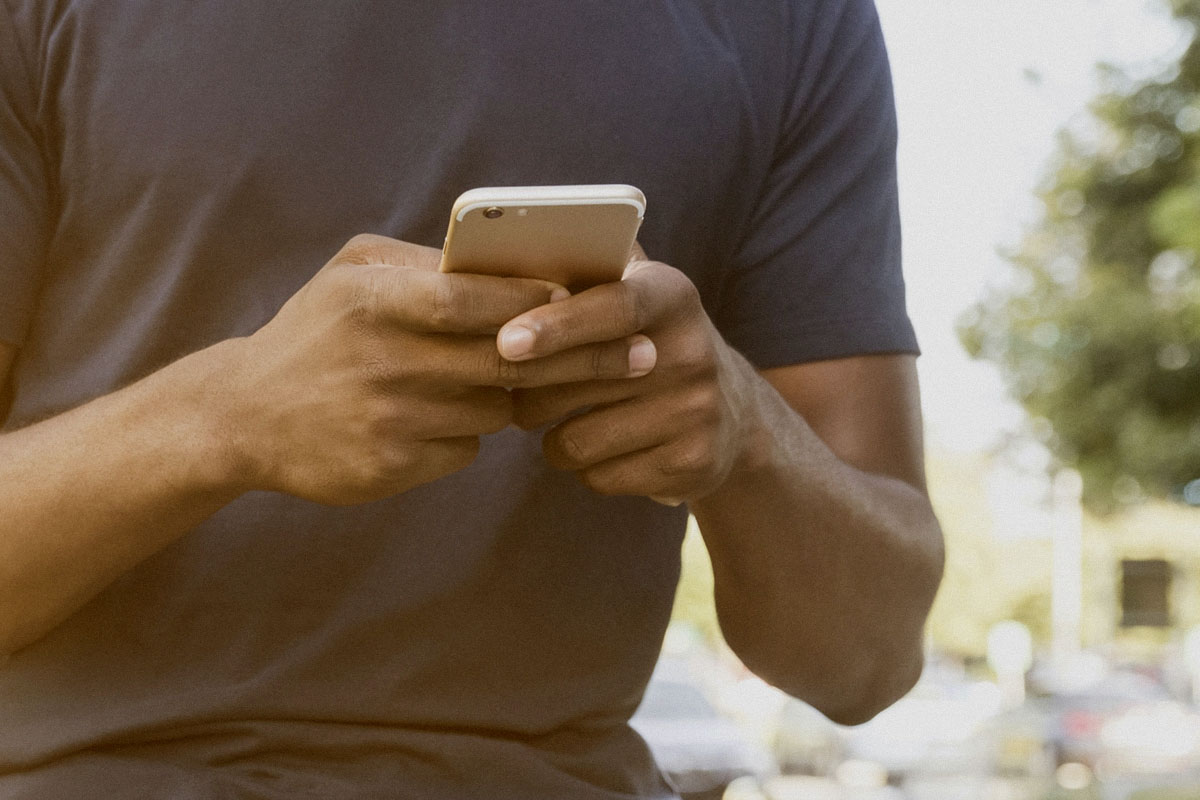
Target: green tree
1099,332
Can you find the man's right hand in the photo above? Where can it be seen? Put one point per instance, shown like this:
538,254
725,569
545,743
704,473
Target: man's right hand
381,373
378,375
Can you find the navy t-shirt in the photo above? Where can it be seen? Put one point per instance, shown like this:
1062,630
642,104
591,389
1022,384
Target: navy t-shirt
170,173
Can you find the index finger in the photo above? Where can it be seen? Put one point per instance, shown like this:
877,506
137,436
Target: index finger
437,302
600,314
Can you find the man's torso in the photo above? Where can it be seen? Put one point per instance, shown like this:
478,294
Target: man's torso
486,634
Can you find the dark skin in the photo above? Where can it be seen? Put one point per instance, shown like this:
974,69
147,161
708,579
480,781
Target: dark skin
807,480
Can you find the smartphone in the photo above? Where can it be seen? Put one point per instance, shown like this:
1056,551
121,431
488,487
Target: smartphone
577,236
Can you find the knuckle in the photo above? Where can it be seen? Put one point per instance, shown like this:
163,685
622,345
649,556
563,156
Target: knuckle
375,371
500,370
694,357
372,296
380,421
628,309
423,370
361,299
573,449
599,362
689,293
702,456
571,446
524,295
399,462
608,360
692,457
384,463
600,481
447,302
513,373
680,286
703,403
361,249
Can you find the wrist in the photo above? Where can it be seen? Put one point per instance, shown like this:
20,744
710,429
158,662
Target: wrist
758,421
214,410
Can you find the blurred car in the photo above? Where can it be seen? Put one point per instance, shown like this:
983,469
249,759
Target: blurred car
808,787
700,751
932,731
1073,720
1157,738
1117,731
1021,747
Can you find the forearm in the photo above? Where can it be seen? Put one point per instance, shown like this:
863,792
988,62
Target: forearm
824,573
90,493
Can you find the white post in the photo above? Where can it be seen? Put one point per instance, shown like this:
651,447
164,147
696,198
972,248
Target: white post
1191,656
1010,655
1066,591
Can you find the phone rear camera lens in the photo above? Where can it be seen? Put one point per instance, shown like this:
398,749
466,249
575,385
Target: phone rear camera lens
494,212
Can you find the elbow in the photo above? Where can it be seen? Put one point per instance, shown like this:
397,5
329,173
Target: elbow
847,693
874,694
889,671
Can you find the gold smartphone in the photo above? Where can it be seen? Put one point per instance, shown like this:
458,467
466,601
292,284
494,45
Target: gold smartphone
577,236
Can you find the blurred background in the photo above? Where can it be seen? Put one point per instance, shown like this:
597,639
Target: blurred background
1050,190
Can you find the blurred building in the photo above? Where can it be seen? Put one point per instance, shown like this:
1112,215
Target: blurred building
999,556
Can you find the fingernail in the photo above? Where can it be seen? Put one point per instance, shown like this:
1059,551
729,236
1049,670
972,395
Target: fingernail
515,342
673,502
642,357
559,294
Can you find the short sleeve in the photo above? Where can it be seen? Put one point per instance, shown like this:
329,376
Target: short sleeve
24,204
818,273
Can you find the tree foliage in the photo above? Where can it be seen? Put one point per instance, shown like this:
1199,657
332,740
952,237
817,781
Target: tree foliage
1098,334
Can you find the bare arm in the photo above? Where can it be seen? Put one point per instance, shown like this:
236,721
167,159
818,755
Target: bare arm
807,483
826,553
377,376
88,494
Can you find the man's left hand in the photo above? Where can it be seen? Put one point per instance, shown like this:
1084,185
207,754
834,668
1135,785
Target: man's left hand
825,550
673,433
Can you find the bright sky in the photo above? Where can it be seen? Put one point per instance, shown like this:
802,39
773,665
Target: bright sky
982,86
